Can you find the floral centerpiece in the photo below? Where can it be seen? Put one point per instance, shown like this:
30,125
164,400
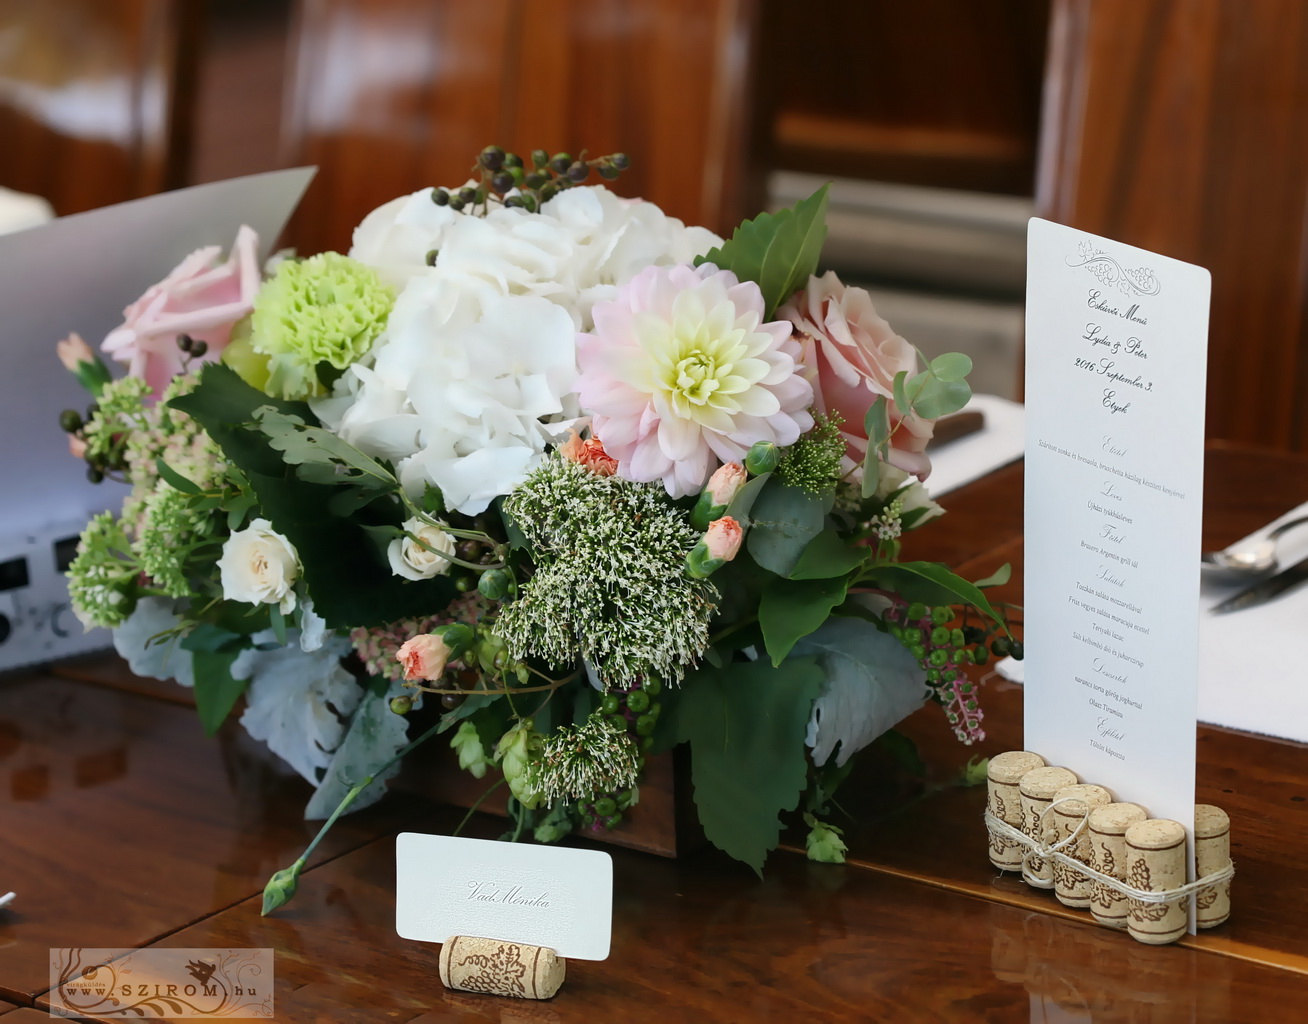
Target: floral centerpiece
586,482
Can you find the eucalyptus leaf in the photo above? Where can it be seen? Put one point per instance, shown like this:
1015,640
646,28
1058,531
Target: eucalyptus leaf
951,366
785,520
941,398
742,505
745,726
902,403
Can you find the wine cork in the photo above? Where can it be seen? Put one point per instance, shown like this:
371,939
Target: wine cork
1071,806
1212,852
1107,828
1004,775
1038,787
501,968
1155,861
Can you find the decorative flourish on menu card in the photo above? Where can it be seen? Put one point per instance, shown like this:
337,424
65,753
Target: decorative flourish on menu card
1140,281
1114,480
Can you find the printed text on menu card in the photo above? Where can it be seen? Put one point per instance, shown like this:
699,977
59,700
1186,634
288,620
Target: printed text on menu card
1116,345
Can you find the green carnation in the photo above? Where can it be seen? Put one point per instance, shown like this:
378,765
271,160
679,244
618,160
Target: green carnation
317,316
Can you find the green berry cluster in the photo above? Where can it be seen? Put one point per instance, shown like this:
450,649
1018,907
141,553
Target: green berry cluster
637,711
500,172
944,651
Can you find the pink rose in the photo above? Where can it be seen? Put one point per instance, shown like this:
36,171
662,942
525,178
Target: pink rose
201,297
424,657
851,356
722,538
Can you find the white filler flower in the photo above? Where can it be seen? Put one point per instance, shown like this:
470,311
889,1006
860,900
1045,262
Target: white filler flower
411,560
260,566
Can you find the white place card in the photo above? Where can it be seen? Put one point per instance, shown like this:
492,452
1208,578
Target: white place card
551,896
1116,353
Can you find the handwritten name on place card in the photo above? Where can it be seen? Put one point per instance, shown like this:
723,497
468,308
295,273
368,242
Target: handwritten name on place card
541,895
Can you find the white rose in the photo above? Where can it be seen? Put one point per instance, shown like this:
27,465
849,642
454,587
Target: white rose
413,561
259,566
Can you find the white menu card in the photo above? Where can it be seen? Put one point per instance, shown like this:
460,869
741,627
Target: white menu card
1116,353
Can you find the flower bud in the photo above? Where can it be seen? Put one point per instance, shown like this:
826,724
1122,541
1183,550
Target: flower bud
73,350
281,887
589,453
718,546
495,584
762,458
718,493
76,446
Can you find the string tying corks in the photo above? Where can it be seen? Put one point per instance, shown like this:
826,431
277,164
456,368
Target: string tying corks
1139,897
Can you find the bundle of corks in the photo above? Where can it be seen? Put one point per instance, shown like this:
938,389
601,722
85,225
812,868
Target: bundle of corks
1128,869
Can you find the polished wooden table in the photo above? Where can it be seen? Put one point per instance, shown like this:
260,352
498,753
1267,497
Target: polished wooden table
122,827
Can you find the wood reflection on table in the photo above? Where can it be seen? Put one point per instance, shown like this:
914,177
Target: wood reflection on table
141,832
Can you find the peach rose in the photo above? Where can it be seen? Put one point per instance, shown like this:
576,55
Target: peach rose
424,657
851,356
201,297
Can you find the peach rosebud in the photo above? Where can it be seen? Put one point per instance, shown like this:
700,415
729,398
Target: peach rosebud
73,350
589,453
424,657
725,483
722,538
76,447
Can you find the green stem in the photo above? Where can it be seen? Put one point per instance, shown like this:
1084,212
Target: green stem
477,803
741,624
354,792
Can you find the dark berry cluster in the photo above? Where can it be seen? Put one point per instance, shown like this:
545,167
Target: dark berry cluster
501,173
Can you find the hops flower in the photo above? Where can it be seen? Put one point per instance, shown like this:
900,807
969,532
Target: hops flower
411,560
259,566
682,374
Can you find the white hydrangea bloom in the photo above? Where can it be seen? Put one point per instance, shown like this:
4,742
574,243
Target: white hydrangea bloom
476,371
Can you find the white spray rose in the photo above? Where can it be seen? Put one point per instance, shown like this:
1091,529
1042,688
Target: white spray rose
259,566
411,560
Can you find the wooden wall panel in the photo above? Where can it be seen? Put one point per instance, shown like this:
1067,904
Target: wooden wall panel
390,95
1182,126
94,98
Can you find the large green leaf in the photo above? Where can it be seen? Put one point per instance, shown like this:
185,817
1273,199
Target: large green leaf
931,583
376,734
871,683
828,555
790,609
783,522
215,689
746,725
350,584
778,251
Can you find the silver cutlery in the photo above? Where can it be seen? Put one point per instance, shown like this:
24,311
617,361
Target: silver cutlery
1265,590
1253,557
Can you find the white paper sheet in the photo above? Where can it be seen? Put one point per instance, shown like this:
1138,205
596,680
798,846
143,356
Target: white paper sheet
77,274
1116,358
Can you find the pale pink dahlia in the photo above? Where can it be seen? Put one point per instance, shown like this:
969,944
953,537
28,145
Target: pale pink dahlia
682,374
